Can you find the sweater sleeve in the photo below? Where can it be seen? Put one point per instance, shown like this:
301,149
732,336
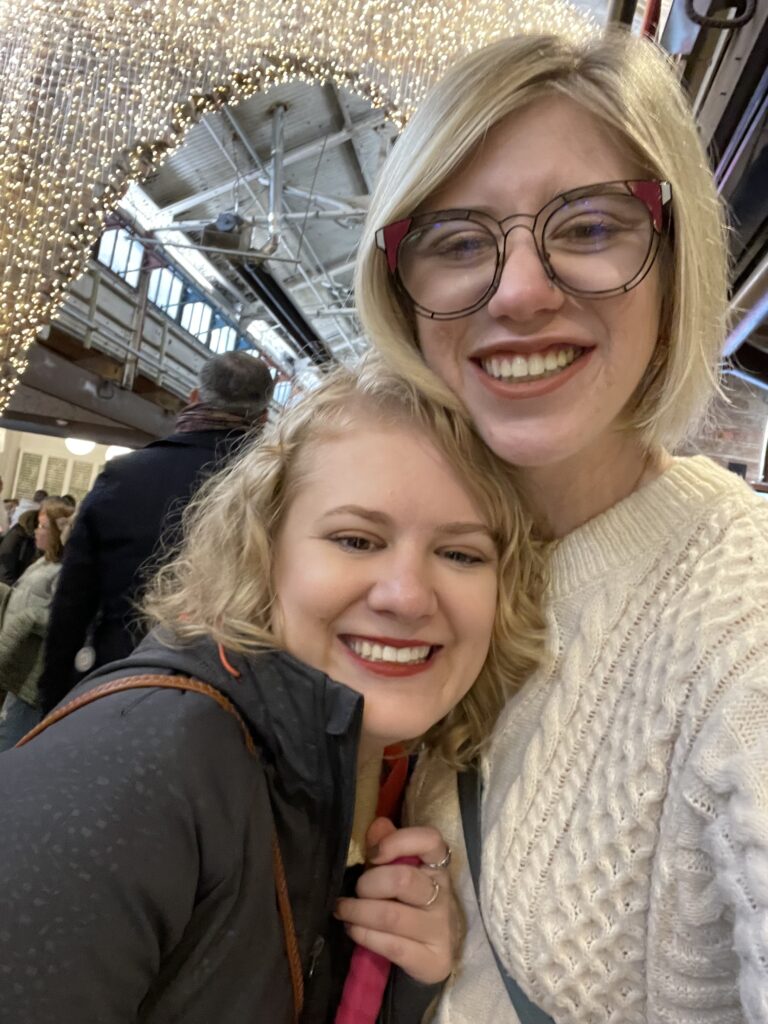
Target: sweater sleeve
728,795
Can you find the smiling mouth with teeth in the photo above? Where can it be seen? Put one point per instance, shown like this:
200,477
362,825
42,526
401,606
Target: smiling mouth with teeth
533,367
386,654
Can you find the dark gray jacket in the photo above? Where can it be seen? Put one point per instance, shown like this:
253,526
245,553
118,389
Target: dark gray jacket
136,880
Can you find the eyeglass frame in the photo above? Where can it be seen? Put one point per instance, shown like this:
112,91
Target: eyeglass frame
657,202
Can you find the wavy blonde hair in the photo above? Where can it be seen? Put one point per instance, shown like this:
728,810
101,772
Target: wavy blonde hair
631,87
220,582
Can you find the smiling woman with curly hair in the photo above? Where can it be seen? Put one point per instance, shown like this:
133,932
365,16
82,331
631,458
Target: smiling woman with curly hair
359,583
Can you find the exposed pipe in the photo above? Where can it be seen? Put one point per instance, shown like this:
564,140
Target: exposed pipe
301,215
748,377
751,301
274,214
131,364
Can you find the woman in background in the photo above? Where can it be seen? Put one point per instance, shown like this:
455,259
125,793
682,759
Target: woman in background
546,251
24,623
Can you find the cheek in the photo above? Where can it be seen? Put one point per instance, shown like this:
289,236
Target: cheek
641,318
478,629
307,597
440,344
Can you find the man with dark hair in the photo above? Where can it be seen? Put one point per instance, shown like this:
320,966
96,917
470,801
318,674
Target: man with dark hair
133,514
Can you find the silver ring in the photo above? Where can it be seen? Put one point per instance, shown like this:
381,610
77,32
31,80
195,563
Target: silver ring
435,892
441,863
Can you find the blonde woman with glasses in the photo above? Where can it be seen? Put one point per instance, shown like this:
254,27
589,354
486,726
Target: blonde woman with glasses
546,253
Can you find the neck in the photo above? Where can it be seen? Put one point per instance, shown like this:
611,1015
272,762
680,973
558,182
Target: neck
567,494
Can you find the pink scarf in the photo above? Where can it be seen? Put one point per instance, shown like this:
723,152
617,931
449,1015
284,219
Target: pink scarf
368,972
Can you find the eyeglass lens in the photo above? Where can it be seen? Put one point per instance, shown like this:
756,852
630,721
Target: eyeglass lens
597,243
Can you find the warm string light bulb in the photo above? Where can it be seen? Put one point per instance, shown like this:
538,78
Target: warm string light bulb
94,93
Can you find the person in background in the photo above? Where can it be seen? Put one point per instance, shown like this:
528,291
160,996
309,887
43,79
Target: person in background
28,505
70,500
546,250
24,625
134,510
361,583
18,549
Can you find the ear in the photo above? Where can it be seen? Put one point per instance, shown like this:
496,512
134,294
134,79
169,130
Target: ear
194,396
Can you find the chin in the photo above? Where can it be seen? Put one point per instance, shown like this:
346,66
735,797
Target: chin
532,445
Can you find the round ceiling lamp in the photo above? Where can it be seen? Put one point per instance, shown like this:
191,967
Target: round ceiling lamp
78,446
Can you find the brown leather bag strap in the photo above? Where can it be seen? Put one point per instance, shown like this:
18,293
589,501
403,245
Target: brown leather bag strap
196,686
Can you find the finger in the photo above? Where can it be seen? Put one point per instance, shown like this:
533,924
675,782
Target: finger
419,961
378,830
423,842
396,919
410,885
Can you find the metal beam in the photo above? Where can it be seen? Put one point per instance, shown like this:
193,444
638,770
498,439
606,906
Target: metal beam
299,215
54,375
330,284
277,155
331,269
373,120
365,178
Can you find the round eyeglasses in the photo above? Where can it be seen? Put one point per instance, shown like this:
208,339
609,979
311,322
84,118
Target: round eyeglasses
597,241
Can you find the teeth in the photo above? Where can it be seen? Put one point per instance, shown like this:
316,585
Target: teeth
383,652
535,365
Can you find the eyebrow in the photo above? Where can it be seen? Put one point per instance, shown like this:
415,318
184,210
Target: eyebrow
379,517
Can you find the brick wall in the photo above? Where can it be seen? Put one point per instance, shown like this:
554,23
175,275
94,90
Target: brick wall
737,430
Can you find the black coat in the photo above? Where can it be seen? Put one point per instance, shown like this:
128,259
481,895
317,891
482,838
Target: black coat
136,883
133,509
17,552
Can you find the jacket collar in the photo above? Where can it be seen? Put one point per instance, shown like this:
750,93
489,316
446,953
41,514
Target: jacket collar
288,705
307,729
201,438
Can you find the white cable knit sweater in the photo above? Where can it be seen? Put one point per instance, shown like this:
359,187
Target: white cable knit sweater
625,818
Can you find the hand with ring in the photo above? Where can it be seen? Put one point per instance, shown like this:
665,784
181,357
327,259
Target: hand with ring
406,911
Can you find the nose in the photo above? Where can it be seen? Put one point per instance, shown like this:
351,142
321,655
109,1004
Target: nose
525,290
404,589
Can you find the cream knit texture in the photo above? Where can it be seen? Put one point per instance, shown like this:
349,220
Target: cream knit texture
625,825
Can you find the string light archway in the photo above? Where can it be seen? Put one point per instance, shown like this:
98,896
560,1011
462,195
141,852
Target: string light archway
94,93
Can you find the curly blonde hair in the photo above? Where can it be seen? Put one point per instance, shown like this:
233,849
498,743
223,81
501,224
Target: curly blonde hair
220,582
